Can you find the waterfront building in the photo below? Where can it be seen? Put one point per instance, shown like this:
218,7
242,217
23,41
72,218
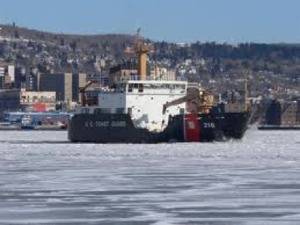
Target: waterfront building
290,113
78,81
65,85
37,101
60,83
9,100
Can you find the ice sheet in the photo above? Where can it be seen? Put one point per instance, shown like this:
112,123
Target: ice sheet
46,180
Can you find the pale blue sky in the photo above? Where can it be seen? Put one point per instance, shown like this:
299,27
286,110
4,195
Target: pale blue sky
172,20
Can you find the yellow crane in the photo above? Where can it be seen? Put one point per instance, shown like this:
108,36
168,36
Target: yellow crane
201,99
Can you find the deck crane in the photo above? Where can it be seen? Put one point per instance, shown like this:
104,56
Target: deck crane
201,99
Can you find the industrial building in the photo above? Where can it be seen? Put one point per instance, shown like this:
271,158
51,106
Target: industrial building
290,113
79,80
66,85
9,100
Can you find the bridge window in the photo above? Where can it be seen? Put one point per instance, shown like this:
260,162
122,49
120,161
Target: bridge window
130,87
141,88
119,110
85,110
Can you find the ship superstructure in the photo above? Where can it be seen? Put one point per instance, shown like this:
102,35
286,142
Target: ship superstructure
143,100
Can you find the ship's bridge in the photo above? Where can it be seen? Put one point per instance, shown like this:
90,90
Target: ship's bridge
144,100
151,87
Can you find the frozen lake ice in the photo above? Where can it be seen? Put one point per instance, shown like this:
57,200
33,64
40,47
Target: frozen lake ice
46,180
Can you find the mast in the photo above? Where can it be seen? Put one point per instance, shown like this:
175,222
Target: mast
246,91
141,49
142,53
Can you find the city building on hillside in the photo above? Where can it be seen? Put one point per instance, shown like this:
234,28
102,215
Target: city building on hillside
162,73
127,71
2,70
11,73
7,75
123,71
20,77
31,82
2,82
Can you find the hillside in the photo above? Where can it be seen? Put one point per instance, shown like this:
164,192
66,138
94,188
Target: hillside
13,31
214,64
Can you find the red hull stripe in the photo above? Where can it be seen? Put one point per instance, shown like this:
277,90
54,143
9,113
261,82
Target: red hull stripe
191,128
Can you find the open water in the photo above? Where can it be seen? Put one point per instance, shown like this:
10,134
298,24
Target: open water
46,180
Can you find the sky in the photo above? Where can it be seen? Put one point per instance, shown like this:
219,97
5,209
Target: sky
231,21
